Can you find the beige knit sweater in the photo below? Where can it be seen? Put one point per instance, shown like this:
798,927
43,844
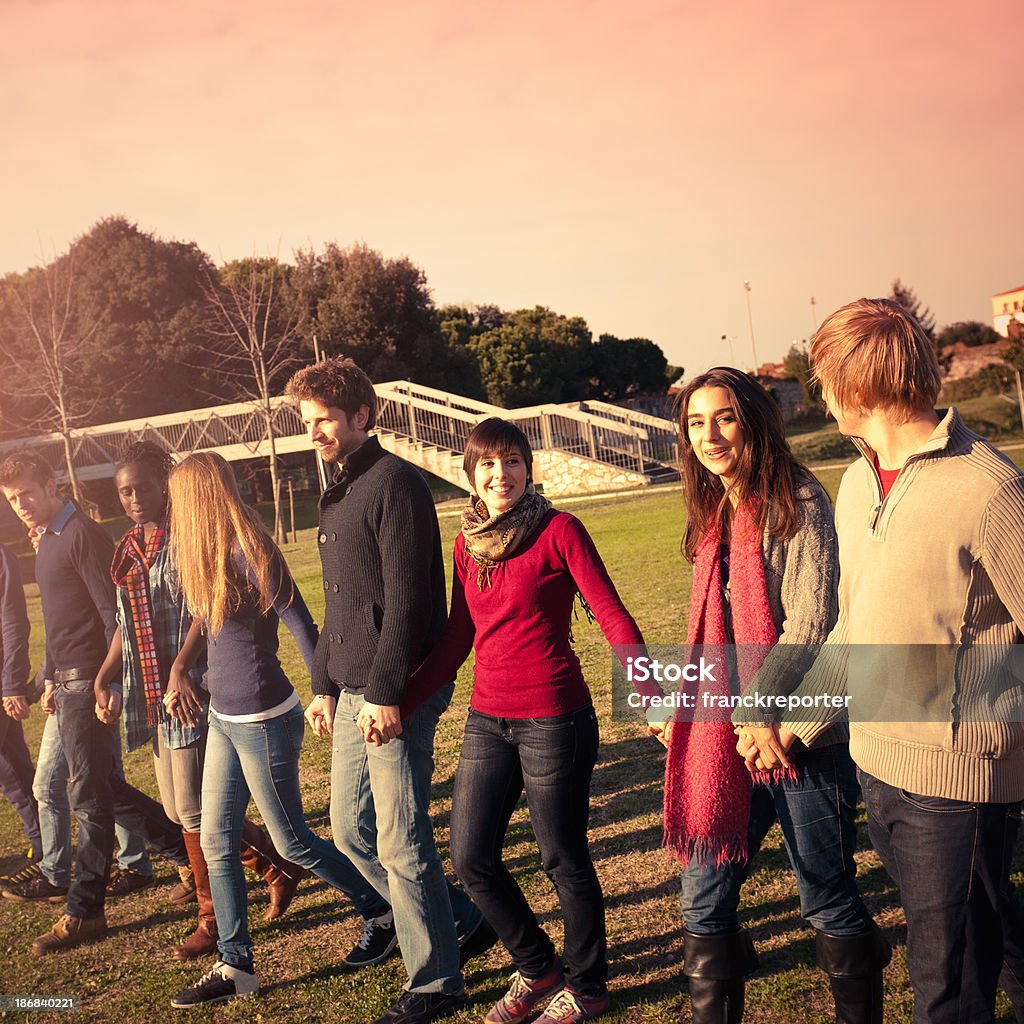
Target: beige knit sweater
931,593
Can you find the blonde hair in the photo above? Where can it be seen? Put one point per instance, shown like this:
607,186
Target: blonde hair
209,524
873,354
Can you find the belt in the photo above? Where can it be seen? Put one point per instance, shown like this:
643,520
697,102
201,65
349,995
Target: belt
73,675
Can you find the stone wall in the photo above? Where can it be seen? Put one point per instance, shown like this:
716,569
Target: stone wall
563,475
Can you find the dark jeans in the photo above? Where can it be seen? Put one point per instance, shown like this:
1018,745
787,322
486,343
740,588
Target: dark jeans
16,774
553,759
99,796
817,814
951,861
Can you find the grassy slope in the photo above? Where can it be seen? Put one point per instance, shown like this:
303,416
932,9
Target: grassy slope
130,977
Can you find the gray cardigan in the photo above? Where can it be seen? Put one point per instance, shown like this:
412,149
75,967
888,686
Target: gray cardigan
801,578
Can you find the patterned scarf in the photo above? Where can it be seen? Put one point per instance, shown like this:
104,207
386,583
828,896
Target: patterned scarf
707,785
490,541
130,571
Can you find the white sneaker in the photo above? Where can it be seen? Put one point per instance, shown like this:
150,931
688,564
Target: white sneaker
218,985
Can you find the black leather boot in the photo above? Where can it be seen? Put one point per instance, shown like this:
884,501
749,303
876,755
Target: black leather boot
854,966
715,967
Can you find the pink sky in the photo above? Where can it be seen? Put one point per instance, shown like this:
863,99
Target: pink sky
629,162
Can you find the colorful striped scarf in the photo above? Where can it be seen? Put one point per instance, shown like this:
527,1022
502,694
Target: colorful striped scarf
130,571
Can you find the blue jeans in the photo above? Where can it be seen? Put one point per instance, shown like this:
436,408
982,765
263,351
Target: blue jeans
553,760
380,816
16,779
50,788
951,861
817,814
98,796
261,759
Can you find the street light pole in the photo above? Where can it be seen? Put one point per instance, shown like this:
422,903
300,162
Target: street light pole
750,321
732,355
814,315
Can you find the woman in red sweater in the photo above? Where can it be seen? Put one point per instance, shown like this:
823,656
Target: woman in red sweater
519,565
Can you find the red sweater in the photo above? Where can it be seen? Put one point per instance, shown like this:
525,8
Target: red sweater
519,625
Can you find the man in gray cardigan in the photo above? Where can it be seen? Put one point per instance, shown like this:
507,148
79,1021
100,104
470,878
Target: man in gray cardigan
931,545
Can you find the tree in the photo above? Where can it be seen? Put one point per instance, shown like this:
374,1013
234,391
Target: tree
253,324
908,299
971,333
626,367
1015,357
535,356
797,366
45,348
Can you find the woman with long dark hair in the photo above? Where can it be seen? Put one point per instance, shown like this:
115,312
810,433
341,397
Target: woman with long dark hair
152,626
762,542
519,565
238,587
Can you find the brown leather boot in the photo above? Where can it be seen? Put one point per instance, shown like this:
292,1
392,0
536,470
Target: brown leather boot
282,876
203,941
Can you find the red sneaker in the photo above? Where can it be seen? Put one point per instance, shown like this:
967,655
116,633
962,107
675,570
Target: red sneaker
570,1007
525,995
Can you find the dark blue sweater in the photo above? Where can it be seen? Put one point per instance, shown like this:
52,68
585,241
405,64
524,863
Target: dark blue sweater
77,593
14,663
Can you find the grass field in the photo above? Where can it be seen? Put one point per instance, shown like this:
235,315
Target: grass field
130,976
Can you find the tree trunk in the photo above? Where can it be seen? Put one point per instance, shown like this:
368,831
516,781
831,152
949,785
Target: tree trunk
275,485
69,464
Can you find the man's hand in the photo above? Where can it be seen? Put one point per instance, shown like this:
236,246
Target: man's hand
16,707
379,723
761,747
108,702
48,701
320,715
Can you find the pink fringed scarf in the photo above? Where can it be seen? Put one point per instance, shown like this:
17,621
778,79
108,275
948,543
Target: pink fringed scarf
707,786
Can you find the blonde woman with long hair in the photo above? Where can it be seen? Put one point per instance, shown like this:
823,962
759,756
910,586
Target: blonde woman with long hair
238,587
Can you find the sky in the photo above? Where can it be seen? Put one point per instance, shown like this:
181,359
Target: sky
632,163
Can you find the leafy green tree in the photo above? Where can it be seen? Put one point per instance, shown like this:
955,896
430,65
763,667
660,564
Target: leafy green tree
797,366
971,333
535,356
626,367
907,298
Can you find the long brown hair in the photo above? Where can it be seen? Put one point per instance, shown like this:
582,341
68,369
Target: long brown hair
209,524
767,475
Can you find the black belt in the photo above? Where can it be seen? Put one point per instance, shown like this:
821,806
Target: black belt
73,675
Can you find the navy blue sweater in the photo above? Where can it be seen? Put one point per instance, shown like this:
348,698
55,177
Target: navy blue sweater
14,663
77,593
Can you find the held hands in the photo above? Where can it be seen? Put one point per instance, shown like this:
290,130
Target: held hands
320,715
182,699
16,708
108,702
764,747
661,731
48,701
379,723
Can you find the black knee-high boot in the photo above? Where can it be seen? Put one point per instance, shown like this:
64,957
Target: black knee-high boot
716,967
854,966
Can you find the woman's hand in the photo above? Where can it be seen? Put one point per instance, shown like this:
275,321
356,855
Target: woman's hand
183,700
320,715
662,732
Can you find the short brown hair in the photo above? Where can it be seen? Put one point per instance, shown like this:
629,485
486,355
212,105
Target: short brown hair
25,463
495,436
874,354
338,382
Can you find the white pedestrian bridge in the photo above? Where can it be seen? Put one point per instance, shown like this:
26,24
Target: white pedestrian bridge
578,447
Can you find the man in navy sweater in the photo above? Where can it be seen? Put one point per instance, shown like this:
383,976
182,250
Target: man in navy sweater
77,596
380,550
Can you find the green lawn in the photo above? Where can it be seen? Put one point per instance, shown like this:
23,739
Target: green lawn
130,977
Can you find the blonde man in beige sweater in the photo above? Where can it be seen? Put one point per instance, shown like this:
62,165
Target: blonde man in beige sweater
931,600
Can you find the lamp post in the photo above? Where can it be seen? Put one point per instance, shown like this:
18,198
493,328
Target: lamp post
814,315
732,355
750,321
